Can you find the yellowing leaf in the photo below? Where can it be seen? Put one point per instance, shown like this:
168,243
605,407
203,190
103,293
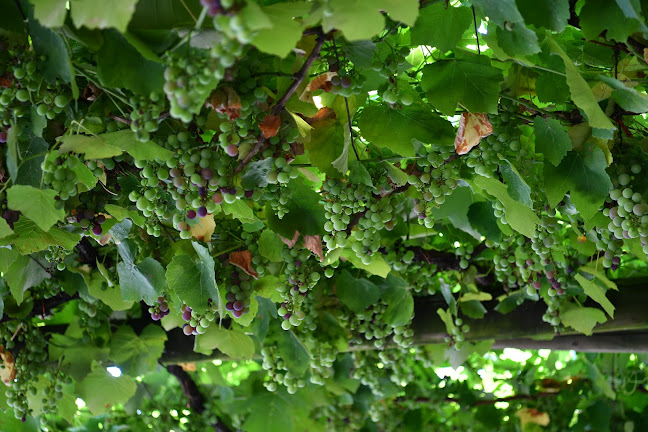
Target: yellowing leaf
479,296
243,260
204,228
472,128
532,415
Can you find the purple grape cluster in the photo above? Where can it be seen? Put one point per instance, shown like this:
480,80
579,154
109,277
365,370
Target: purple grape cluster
87,218
197,323
160,310
213,7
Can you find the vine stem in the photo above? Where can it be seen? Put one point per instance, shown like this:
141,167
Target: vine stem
476,31
531,106
281,103
346,103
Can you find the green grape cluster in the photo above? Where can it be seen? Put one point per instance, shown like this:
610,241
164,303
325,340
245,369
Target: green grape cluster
278,372
339,417
59,176
301,273
610,245
55,256
26,88
259,262
504,143
435,179
190,76
457,332
47,289
29,364
145,115
93,315
392,65
370,325
379,215
277,191
347,83
341,201
629,215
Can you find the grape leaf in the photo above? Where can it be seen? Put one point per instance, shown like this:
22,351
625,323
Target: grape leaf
270,246
581,319
500,12
137,354
482,218
551,139
326,145
441,26
141,281
400,303
517,42
284,32
358,174
550,14
596,293
378,266
520,217
232,343
28,238
356,294
361,19
120,64
83,173
193,280
100,390
255,174
305,214
92,147
293,352
55,61
269,413
121,213
470,81
518,188
581,93
20,272
628,98
395,128
5,229
597,16
101,15
127,141
39,205
583,175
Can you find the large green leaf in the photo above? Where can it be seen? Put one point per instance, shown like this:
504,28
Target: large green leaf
270,246
284,32
470,81
192,279
39,205
597,16
292,352
583,175
361,19
28,238
596,293
551,139
325,146
137,354
581,93
520,217
305,214
550,14
396,128
233,343
269,413
441,26
400,303
518,189
581,319
50,13
100,15
141,281
100,390
628,98
113,144
500,12
120,64
356,294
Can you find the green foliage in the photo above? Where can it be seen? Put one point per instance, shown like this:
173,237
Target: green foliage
317,208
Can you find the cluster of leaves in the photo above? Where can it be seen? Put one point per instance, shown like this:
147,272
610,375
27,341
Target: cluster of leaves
287,181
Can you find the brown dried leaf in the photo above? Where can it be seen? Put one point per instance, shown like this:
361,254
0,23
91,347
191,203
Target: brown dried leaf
189,367
532,415
103,241
204,228
243,260
324,113
314,244
270,125
292,242
320,82
225,100
472,128
7,366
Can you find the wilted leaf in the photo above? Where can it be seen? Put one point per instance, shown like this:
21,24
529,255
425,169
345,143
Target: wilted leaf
320,82
314,244
270,125
225,100
472,128
243,260
324,113
290,243
204,228
7,367
532,415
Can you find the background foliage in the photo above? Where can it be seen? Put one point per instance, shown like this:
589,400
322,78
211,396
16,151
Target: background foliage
321,215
